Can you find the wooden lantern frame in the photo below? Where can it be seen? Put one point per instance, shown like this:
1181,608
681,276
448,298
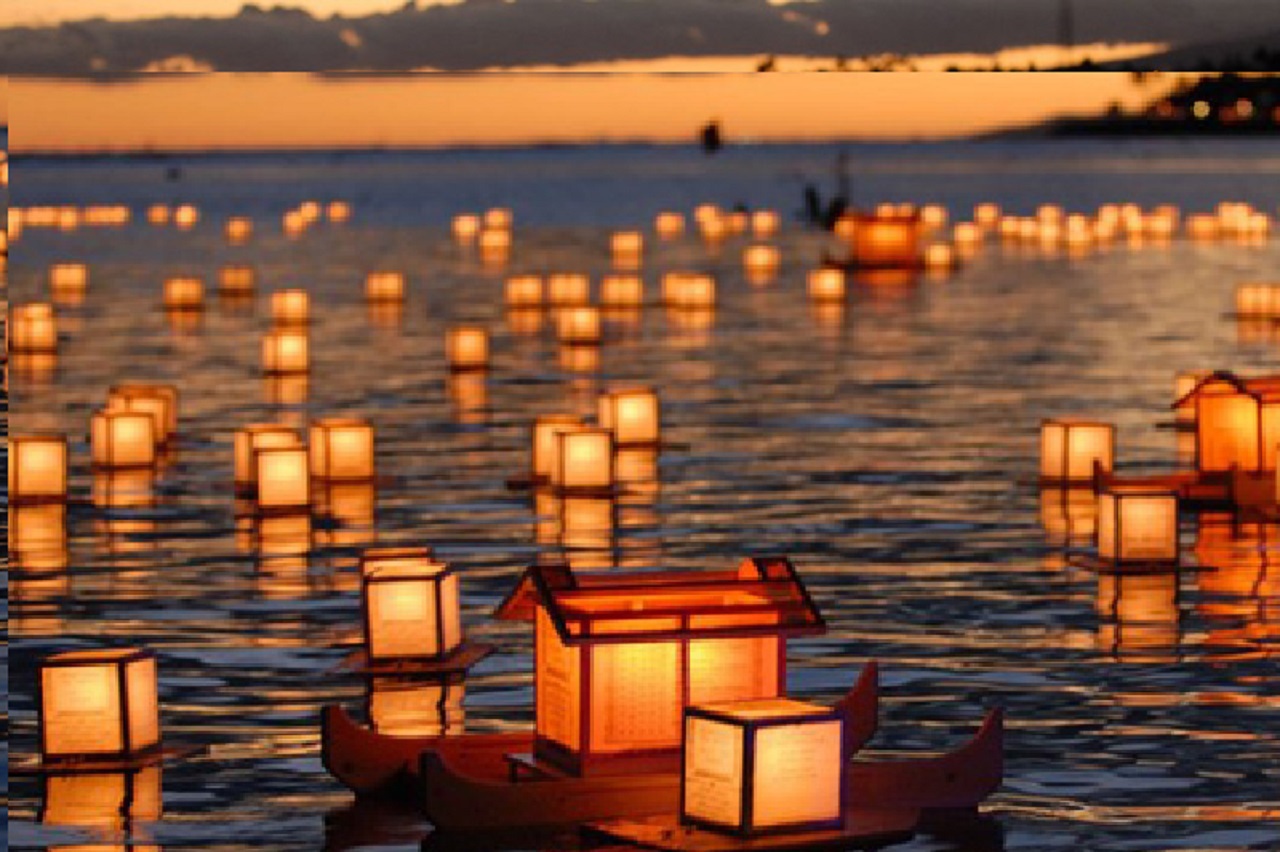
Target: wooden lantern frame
1262,394
126,752
749,728
18,495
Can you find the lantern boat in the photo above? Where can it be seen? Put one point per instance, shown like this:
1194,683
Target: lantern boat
880,241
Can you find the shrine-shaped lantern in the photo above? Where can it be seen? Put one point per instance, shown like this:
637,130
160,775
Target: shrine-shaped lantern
1237,422
617,657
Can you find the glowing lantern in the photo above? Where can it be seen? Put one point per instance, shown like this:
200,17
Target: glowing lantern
617,657
626,247
668,225
713,228
186,216
1070,449
158,214
183,293
885,241
384,287
411,611
160,401
523,291
632,415
578,326
499,218
737,221
1237,422
99,705
68,280
259,436
1201,226
37,468
467,348
764,224
1258,300
967,234
939,256
545,452
621,291
584,460
342,449
495,245
771,765
691,290
568,289
760,262
283,480
826,285
338,211
1137,525
933,216
290,308
285,351
401,707
1183,385
293,223
238,229
466,227
32,328
236,281
122,439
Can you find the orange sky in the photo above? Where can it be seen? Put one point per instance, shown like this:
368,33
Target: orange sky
267,110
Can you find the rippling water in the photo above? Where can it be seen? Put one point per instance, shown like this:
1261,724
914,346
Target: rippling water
886,446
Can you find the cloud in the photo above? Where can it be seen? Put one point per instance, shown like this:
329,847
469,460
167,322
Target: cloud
487,33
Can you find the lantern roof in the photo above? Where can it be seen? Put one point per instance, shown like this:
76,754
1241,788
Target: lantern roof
762,597
1262,388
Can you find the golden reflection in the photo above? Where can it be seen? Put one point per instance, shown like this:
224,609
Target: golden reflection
38,537
579,359
286,388
37,368
587,530
1141,619
283,544
1069,515
401,707
106,800
469,395
350,508
636,471
524,321
690,327
123,488
1257,331
546,517
386,315
35,604
1240,583
828,316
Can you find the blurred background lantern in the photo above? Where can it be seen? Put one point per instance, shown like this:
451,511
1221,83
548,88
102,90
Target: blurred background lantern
632,415
238,229
545,450
342,449
68,282
578,326
626,248
585,460
668,225
183,293
122,439
568,289
285,350
523,291
237,280
290,307
32,328
37,468
465,227
826,284
886,241
467,348
764,224
621,291
760,262
384,286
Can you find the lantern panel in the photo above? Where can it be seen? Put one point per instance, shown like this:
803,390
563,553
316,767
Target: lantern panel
713,772
734,669
585,458
342,448
636,696
467,348
1069,449
37,468
290,307
412,611
160,401
632,414
285,351
122,439
546,448
99,703
557,686
797,775
283,477
1227,426
259,436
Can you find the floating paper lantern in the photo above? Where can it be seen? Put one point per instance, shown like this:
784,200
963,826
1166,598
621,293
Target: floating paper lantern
1137,525
756,767
826,285
578,326
764,224
632,415
384,287
713,229
499,218
495,247
1070,449
688,290
626,247
158,214
467,348
237,280
939,257
121,439
238,229
621,291
33,328
1237,422
338,211
342,449
186,216
465,227
568,289
933,216
668,225
1202,226
403,707
290,307
584,459
411,611
283,479
737,222
523,291
293,223
259,436
99,705
886,241
618,656
183,293
160,401
967,234
545,449
37,468
285,351
68,280
760,261
1258,300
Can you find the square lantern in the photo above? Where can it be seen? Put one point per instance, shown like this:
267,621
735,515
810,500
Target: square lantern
32,328
259,436
826,285
37,468
290,307
402,707
412,611
495,245
384,287
121,439
342,449
465,227
626,248
1138,525
584,459
160,401
238,229
760,261
762,767
523,291
633,415
467,348
1237,422
499,218
545,450
566,289
621,291
338,211
764,223
285,351
1071,449
690,290
99,704
284,480
237,280
183,293
186,216
68,278
618,656
579,326
668,225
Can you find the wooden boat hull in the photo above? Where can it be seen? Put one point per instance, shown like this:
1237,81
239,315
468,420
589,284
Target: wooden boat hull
373,764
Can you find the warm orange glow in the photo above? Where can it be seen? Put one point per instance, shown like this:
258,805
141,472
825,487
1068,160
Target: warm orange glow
411,610
621,291
545,452
238,229
257,437
1069,515
1236,426
285,351
32,328
122,439
183,293
567,289
760,262
465,228
687,290
467,348
626,248
632,414
104,800
384,286
237,280
68,281
159,401
523,291
1258,300
886,241
585,457
283,478
826,285
1183,384
1070,449
338,212
1137,525
290,307
578,326
764,224
410,708
37,535
37,468
669,225
98,703
342,449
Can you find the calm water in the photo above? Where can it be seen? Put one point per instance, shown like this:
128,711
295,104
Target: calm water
886,447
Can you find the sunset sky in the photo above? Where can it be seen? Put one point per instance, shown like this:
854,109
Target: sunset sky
302,110
53,11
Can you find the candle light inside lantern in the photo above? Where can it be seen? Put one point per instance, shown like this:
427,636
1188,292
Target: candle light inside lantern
185,216
760,262
764,224
885,241
285,351
37,468
158,214
467,348
688,290
384,286
826,285
626,248
632,415
290,308
98,704
238,229
183,293
33,328
1138,525
584,460
465,227
338,211
283,479
412,611
1071,449
342,449
123,439
68,281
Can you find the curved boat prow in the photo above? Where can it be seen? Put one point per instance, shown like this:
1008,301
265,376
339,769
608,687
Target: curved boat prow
861,709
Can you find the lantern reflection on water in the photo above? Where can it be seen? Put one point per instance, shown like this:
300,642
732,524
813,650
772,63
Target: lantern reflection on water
104,800
1142,616
403,707
98,704
349,507
756,767
342,449
523,291
1069,515
37,468
618,657
37,537
1137,525
412,610
621,291
285,350
1071,450
68,281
